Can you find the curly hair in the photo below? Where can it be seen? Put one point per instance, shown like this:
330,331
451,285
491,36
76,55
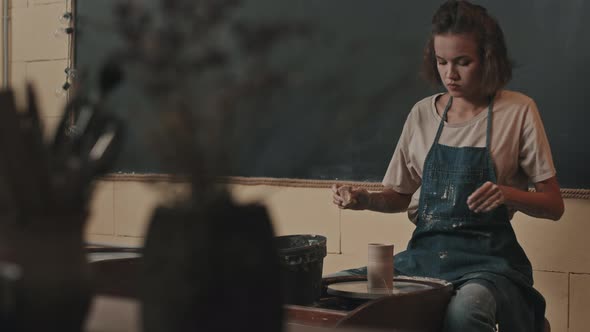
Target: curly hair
463,17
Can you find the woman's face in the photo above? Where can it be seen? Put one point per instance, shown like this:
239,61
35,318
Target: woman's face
459,64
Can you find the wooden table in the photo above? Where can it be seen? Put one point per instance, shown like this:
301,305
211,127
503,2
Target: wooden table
118,314
420,311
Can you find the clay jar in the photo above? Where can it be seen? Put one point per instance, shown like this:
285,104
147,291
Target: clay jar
380,266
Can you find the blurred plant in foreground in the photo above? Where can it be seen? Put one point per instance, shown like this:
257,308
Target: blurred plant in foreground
209,76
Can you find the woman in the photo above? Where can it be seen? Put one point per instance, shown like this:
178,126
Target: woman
461,169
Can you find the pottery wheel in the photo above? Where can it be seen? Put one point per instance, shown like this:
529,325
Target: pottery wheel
359,289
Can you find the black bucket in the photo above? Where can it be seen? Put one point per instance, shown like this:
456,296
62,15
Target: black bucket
301,262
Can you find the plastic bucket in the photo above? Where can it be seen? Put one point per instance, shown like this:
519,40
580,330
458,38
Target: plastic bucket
301,261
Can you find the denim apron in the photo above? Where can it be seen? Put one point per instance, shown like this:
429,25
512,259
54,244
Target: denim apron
453,243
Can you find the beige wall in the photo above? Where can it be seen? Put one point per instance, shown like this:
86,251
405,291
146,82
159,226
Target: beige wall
120,210
37,55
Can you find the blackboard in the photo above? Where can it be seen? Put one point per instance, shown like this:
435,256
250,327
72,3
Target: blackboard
371,51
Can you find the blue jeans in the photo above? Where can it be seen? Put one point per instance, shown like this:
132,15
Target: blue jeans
472,308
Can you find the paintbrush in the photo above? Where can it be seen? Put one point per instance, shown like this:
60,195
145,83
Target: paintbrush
36,148
99,146
19,170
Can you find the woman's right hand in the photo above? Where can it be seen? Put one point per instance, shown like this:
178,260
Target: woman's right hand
351,198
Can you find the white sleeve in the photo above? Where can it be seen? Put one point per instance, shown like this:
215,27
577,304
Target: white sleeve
400,175
535,152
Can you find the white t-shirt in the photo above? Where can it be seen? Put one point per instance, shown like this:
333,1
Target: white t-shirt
519,146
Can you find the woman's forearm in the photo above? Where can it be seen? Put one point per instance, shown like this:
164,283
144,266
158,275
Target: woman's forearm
388,201
546,202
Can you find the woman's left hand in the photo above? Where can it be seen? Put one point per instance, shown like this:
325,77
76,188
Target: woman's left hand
486,198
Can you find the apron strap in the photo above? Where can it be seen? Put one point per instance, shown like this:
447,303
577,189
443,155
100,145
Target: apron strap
442,121
489,140
489,127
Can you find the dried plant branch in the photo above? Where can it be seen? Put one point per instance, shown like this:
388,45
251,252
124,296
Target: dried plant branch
197,83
